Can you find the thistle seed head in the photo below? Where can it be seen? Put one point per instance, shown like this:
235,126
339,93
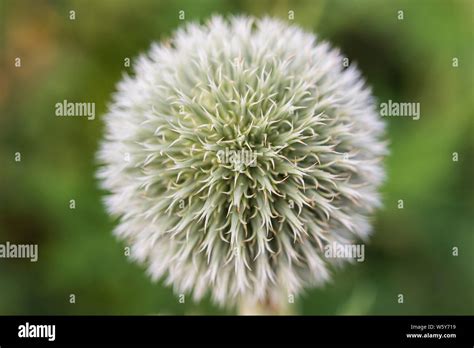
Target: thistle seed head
236,153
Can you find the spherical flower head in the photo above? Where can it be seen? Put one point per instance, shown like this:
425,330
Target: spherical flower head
237,152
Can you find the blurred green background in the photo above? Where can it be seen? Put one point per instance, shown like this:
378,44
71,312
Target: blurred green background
409,60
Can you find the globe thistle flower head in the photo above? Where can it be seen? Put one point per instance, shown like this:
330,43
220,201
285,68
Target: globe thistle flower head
236,153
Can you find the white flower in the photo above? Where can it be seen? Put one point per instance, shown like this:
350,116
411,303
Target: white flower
197,214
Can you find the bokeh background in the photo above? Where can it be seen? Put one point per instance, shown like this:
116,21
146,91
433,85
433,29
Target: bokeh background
409,60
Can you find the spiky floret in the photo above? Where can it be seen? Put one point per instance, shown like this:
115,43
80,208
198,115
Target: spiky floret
192,209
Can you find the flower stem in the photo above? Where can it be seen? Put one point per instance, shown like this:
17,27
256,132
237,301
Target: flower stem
266,307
